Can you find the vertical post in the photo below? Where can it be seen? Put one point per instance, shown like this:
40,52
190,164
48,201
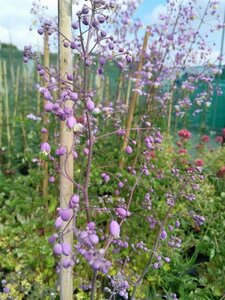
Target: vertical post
128,92
1,105
170,114
66,139
6,107
45,117
15,111
134,97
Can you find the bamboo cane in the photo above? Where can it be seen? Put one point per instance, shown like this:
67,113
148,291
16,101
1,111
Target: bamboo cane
66,139
6,107
15,104
1,106
134,97
128,92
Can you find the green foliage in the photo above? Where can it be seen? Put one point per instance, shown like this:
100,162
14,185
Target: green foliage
26,259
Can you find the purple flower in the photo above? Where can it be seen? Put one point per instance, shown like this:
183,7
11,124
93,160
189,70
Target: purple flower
60,151
75,199
48,106
120,185
45,148
66,249
93,238
57,249
44,130
91,225
6,290
71,122
51,179
121,212
129,150
114,229
163,235
66,263
65,214
90,105
75,155
53,238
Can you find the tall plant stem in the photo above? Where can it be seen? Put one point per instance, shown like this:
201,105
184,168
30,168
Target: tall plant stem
157,241
93,285
85,49
66,140
45,117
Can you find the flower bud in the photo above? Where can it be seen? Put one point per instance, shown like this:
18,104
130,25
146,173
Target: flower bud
65,214
90,105
71,122
66,249
75,25
129,150
93,238
121,212
114,229
163,235
58,222
57,249
48,106
45,148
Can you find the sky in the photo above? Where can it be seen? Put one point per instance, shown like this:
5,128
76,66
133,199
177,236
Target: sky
15,20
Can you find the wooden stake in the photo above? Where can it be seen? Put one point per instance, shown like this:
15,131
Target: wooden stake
15,104
66,139
1,106
6,106
134,98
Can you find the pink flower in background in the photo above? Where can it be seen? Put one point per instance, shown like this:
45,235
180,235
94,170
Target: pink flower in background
205,138
219,139
199,162
184,133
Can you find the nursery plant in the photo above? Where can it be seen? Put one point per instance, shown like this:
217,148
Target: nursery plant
131,203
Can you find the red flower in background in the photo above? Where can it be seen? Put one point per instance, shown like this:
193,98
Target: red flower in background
219,139
199,162
184,133
182,151
205,138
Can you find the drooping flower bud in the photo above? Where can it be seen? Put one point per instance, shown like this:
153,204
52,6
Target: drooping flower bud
90,105
121,212
57,249
114,229
48,106
93,238
58,222
45,148
71,122
66,249
163,235
65,214
129,150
